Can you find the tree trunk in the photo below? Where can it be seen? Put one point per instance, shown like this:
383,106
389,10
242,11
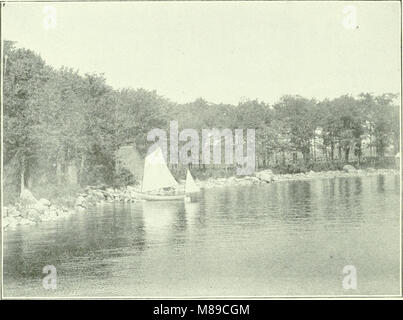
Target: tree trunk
81,170
22,174
306,153
314,146
370,145
30,182
72,174
22,180
396,143
346,154
59,172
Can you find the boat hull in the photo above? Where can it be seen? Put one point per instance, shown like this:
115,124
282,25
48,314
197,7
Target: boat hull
158,197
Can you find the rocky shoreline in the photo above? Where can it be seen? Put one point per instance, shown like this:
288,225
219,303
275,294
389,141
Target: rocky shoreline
30,211
267,176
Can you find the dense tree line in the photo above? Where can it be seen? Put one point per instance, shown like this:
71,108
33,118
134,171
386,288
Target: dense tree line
58,120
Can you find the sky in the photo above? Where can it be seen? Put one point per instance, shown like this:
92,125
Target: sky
224,52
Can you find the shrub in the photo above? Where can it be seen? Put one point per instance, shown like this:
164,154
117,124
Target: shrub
124,178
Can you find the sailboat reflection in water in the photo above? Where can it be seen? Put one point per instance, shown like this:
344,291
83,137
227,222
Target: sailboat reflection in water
159,183
191,188
160,219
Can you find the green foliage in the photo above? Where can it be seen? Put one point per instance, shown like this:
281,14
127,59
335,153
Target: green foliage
58,119
124,178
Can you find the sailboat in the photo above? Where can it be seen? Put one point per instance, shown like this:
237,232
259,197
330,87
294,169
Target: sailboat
157,178
190,185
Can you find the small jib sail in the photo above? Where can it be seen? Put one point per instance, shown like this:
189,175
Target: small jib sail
156,173
190,185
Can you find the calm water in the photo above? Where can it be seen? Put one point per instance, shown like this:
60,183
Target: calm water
286,238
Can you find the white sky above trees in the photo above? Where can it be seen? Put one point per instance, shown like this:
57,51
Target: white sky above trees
221,51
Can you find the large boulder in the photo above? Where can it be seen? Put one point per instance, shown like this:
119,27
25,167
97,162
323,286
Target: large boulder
247,180
53,211
6,221
96,195
12,212
252,179
81,202
39,208
265,175
27,198
349,168
33,213
5,212
110,193
44,202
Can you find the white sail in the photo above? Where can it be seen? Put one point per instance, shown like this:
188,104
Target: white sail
190,185
156,173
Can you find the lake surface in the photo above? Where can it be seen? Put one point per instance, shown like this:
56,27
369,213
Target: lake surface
286,238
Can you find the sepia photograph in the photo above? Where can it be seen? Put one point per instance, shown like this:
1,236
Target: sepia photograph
201,150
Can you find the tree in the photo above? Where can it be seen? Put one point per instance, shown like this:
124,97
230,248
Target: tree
25,73
381,120
296,115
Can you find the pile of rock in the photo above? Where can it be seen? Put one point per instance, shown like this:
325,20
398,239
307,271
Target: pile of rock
232,181
349,168
93,196
90,197
31,211
266,176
